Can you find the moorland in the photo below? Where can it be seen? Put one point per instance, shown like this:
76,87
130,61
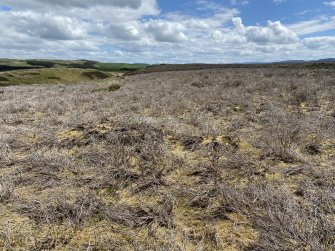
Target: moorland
168,157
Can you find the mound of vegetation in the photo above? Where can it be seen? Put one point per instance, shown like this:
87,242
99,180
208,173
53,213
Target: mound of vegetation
3,79
41,63
96,75
111,88
52,76
86,64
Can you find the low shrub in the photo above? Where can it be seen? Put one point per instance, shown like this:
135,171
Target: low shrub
113,87
96,75
4,79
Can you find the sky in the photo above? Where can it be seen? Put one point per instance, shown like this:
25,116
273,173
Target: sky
168,31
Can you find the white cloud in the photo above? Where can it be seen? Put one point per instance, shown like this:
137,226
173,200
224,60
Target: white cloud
274,32
108,10
164,31
330,3
135,31
134,4
279,1
239,2
320,42
312,26
43,26
125,31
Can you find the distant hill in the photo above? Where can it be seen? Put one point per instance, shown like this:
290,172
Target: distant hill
44,71
14,64
324,60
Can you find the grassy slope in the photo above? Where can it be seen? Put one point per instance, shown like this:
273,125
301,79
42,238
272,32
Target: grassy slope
71,64
13,62
25,62
13,72
51,76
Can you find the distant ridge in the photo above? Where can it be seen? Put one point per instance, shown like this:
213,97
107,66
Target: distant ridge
323,60
326,60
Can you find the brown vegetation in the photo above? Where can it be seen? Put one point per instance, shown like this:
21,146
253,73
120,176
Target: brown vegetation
206,159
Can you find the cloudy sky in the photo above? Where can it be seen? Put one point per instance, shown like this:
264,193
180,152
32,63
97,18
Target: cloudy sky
168,31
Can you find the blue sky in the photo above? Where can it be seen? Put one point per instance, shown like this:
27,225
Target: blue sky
254,12
168,31
260,11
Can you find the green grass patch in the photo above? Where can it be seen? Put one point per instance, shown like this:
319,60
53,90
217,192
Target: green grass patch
41,63
3,79
54,78
96,75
